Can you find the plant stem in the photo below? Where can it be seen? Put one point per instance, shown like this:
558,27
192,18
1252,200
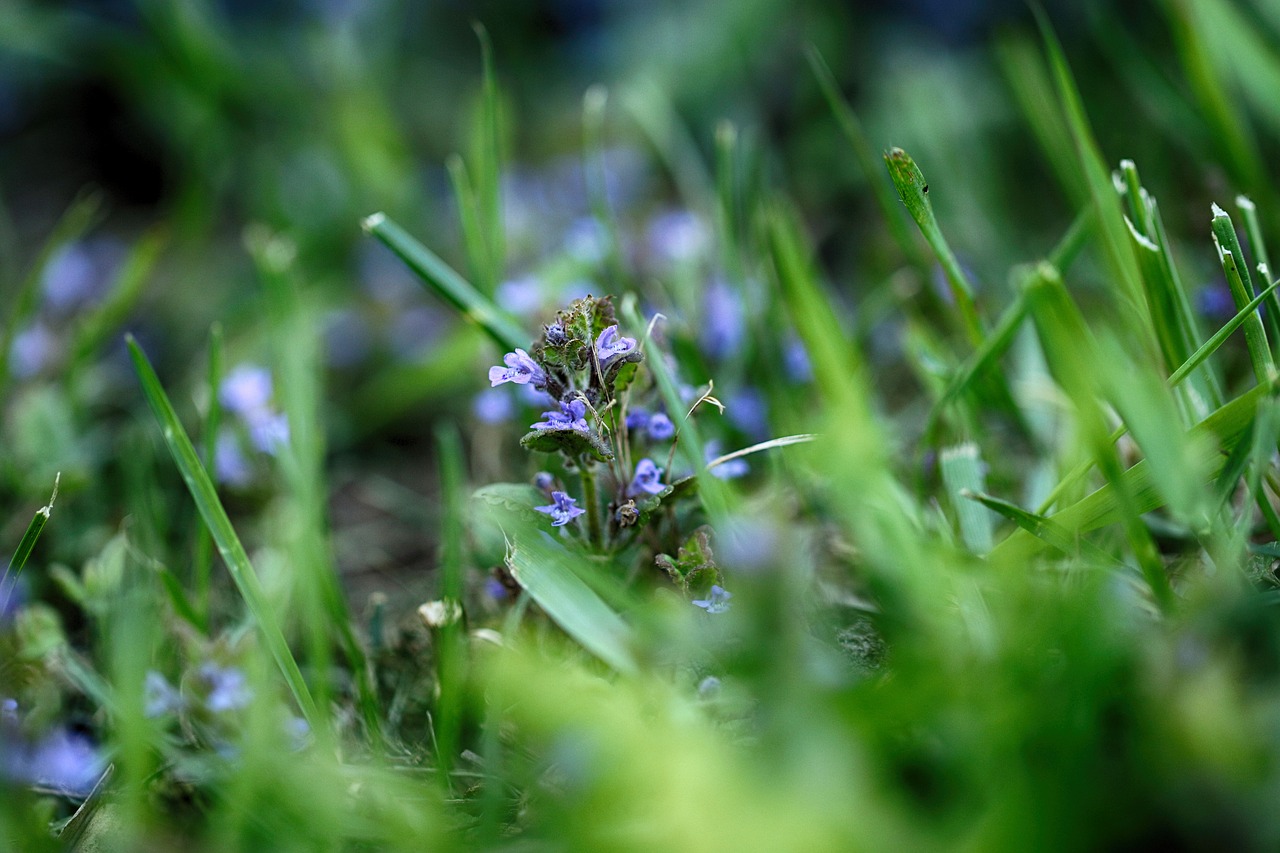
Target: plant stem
593,504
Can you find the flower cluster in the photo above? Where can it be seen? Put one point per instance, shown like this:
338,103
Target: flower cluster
245,393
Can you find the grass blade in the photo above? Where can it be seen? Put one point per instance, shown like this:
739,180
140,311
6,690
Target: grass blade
224,535
26,546
442,280
962,475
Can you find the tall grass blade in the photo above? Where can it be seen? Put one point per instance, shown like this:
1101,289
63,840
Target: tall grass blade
224,535
27,544
442,280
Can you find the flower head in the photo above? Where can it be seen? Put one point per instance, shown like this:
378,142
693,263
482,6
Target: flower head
610,346
572,415
562,509
246,390
647,479
227,688
159,696
716,602
660,427
520,369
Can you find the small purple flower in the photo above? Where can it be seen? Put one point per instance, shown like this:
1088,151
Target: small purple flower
647,479
544,480
587,240
660,427
64,760
1215,303
230,464
572,415
562,510
723,323
33,349
555,333
495,589
246,390
637,420
717,602
709,687
730,470
520,369
748,411
227,687
9,711
299,733
269,431
610,346
159,696
678,236
795,358
493,406
521,295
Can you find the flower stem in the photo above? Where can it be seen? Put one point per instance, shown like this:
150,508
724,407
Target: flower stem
589,498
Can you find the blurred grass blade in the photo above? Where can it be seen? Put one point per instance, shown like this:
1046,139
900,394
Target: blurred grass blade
783,441
79,218
441,279
224,535
451,658
100,325
962,474
914,193
203,568
1044,529
26,546
853,131
545,569
488,167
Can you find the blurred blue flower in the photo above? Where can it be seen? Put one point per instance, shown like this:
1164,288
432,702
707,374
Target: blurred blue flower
231,466
520,369
660,427
78,273
723,323
587,240
1215,303
521,295
717,602
269,431
32,350
748,411
228,689
64,760
9,711
647,480
562,509
298,731
158,696
795,360
678,236
246,390
572,415
708,687
544,480
493,406
555,333
495,589
730,470
610,346
637,420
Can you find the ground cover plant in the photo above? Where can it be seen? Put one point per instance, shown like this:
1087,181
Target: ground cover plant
588,509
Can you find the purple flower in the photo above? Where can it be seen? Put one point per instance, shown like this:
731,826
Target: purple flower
230,464
520,369
647,479
637,420
730,470
660,427
493,406
495,589
587,240
749,412
227,687
555,333
572,415
32,350
269,431
562,510
709,687
723,323
609,346
9,711
299,733
246,390
64,760
521,295
795,358
543,481
717,602
159,696
678,236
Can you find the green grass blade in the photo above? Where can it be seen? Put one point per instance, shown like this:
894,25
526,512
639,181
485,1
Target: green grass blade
451,658
1209,347
1044,529
203,568
851,126
224,535
27,544
914,193
962,474
488,161
1236,270
549,572
442,280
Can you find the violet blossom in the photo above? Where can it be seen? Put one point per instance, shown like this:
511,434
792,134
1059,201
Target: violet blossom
562,509
520,369
648,479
